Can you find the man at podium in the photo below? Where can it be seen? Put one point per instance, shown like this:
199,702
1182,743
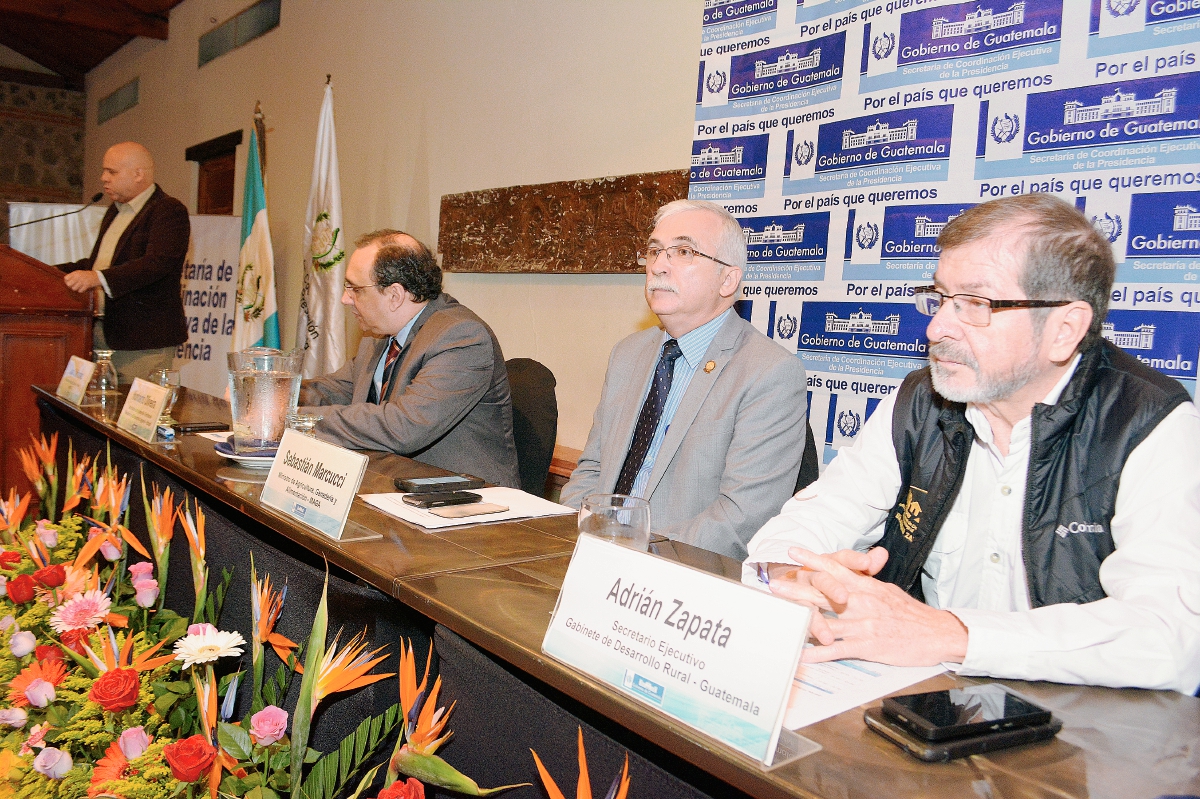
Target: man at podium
137,262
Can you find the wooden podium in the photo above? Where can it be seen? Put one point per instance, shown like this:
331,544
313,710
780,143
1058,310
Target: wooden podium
42,324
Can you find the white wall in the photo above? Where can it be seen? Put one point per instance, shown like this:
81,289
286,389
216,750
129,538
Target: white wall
434,97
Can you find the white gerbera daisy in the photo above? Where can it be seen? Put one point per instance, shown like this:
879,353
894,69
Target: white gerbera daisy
208,646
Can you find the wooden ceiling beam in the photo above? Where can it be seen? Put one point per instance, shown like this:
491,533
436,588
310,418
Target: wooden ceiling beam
44,55
112,16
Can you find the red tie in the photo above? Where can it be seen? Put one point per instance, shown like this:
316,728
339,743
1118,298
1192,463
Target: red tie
389,366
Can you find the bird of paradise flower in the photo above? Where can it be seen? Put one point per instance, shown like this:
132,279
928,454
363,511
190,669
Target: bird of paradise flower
618,790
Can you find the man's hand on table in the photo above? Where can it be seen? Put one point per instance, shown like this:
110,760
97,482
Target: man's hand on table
875,621
82,280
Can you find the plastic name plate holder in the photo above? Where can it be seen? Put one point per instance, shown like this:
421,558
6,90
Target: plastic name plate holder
314,482
711,653
139,414
75,380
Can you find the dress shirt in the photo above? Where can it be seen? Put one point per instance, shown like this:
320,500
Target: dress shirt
1145,633
108,245
400,337
693,345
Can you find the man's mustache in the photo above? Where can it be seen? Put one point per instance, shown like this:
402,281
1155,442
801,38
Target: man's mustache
660,284
950,351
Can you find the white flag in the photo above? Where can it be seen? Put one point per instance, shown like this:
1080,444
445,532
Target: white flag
321,326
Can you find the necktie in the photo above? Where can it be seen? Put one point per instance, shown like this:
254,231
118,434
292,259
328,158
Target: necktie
389,367
648,419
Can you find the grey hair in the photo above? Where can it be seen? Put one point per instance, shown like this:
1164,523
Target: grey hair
1064,258
731,245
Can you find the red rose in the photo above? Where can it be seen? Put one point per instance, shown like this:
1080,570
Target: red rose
189,758
75,640
116,690
45,654
412,789
20,589
50,576
8,559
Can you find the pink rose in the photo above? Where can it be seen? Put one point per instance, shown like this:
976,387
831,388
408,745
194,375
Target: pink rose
22,643
3,586
47,533
268,725
54,763
133,742
13,717
109,551
40,693
141,571
201,629
147,593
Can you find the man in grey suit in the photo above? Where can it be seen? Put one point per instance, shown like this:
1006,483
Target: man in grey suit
428,381
706,417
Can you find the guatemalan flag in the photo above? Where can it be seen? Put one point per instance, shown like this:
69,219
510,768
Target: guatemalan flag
256,322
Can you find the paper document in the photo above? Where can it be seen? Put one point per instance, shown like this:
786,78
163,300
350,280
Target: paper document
520,506
822,690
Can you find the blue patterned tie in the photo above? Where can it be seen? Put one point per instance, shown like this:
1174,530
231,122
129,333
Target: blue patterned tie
648,419
389,369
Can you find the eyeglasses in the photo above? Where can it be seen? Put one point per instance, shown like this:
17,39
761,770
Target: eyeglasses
348,286
677,255
971,309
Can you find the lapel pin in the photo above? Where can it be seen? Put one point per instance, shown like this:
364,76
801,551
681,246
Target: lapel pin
708,367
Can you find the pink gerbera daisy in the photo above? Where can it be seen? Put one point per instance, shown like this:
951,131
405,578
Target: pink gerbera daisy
82,612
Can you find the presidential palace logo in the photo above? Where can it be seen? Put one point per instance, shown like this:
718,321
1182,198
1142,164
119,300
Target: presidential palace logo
805,152
866,235
1120,105
883,45
1005,128
1109,226
879,133
1140,338
715,155
715,82
1120,8
774,234
979,21
787,62
786,327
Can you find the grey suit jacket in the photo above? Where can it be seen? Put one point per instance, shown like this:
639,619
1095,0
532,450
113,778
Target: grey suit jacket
450,404
730,457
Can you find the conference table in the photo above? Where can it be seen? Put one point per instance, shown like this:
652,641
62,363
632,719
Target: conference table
484,594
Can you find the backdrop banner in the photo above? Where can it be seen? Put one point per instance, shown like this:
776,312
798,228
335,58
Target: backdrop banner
210,276
845,134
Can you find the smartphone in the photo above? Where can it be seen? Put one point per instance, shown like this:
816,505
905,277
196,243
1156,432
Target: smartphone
943,751
441,499
430,485
962,712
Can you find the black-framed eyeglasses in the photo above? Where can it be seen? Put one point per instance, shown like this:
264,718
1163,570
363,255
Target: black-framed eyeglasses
677,255
972,309
348,286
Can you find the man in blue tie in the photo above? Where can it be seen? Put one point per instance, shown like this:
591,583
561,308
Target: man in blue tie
704,417
429,379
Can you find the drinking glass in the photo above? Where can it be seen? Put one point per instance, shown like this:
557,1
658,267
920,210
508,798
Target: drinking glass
104,380
167,378
619,518
303,422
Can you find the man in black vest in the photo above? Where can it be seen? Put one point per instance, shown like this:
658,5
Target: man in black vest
1028,505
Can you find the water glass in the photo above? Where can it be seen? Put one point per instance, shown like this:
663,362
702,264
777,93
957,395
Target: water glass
619,518
264,386
167,378
303,422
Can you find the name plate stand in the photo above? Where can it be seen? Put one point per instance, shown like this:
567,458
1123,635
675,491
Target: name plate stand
75,380
143,406
709,652
314,483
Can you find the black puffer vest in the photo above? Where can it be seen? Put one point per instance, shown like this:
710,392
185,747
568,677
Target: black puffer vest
1077,451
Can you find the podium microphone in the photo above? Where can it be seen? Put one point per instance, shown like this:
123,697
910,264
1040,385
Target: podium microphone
95,199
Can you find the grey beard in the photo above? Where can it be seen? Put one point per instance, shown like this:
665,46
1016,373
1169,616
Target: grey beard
988,387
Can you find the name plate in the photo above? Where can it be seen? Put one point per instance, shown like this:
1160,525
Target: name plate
712,653
314,482
75,380
143,406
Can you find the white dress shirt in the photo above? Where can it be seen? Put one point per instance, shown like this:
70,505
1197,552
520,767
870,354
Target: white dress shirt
1145,633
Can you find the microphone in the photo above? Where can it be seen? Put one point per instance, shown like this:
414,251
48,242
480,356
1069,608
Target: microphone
95,199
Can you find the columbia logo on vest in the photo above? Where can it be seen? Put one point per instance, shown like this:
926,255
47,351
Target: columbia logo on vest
1062,531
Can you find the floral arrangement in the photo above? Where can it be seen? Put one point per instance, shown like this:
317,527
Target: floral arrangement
104,692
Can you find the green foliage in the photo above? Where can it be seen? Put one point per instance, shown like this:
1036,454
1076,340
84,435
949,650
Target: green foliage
302,715
331,774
